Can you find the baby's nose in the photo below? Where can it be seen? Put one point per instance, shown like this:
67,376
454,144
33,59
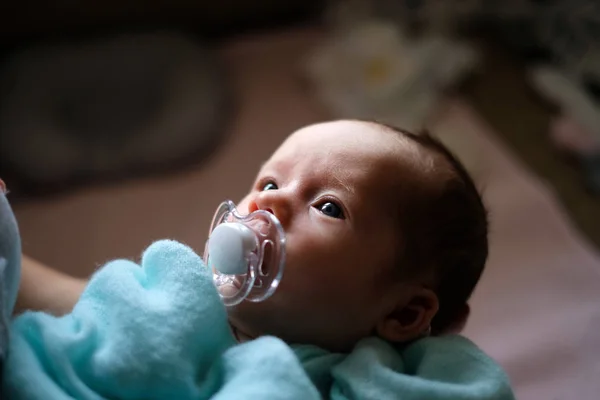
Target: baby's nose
275,203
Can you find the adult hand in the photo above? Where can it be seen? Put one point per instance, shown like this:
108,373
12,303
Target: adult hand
45,289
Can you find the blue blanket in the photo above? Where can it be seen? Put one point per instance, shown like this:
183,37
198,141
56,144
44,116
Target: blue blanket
10,262
159,331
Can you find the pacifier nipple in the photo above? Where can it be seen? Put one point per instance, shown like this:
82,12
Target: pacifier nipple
230,245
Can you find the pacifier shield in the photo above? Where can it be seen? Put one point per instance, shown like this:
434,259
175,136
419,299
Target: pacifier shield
245,253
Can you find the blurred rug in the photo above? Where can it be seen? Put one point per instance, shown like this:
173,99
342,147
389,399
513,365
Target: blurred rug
99,108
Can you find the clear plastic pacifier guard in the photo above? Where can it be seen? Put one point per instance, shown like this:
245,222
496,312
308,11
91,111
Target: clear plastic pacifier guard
245,253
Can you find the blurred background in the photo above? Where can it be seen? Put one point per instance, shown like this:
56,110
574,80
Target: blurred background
125,122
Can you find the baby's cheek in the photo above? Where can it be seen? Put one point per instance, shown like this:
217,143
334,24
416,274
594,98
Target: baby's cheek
242,205
317,261
331,273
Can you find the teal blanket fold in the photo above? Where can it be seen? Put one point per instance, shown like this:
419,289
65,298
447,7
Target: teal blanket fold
158,330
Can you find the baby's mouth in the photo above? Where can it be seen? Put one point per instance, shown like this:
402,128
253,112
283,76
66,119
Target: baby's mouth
231,286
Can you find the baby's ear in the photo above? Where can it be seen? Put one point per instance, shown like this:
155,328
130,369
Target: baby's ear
411,319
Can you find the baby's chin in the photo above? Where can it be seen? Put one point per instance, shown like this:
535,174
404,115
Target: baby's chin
252,320
239,335
241,331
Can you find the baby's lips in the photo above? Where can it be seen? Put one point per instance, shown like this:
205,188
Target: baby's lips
2,186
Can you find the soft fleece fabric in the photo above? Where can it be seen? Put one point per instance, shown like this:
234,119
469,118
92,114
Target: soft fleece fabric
10,272
159,331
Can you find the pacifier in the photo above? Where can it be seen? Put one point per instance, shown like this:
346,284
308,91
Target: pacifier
245,253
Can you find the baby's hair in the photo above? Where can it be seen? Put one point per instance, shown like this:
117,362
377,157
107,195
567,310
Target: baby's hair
447,231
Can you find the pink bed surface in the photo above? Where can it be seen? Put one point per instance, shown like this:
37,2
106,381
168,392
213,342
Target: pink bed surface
537,309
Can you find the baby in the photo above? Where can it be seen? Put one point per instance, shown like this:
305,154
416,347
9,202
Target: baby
386,238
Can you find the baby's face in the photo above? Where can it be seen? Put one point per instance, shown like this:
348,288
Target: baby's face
335,187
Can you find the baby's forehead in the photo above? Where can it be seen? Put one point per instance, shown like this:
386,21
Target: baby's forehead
348,143
362,151
356,139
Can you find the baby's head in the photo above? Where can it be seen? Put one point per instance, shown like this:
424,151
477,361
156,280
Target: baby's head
386,235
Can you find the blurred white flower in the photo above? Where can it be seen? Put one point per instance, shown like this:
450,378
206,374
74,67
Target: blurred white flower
569,94
373,71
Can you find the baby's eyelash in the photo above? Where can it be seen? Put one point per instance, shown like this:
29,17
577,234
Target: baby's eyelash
343,212
260,184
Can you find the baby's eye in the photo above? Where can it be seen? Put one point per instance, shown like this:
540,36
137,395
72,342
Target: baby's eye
270,186
331,210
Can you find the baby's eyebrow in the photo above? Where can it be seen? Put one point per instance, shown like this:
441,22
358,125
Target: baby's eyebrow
334,176
348,188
